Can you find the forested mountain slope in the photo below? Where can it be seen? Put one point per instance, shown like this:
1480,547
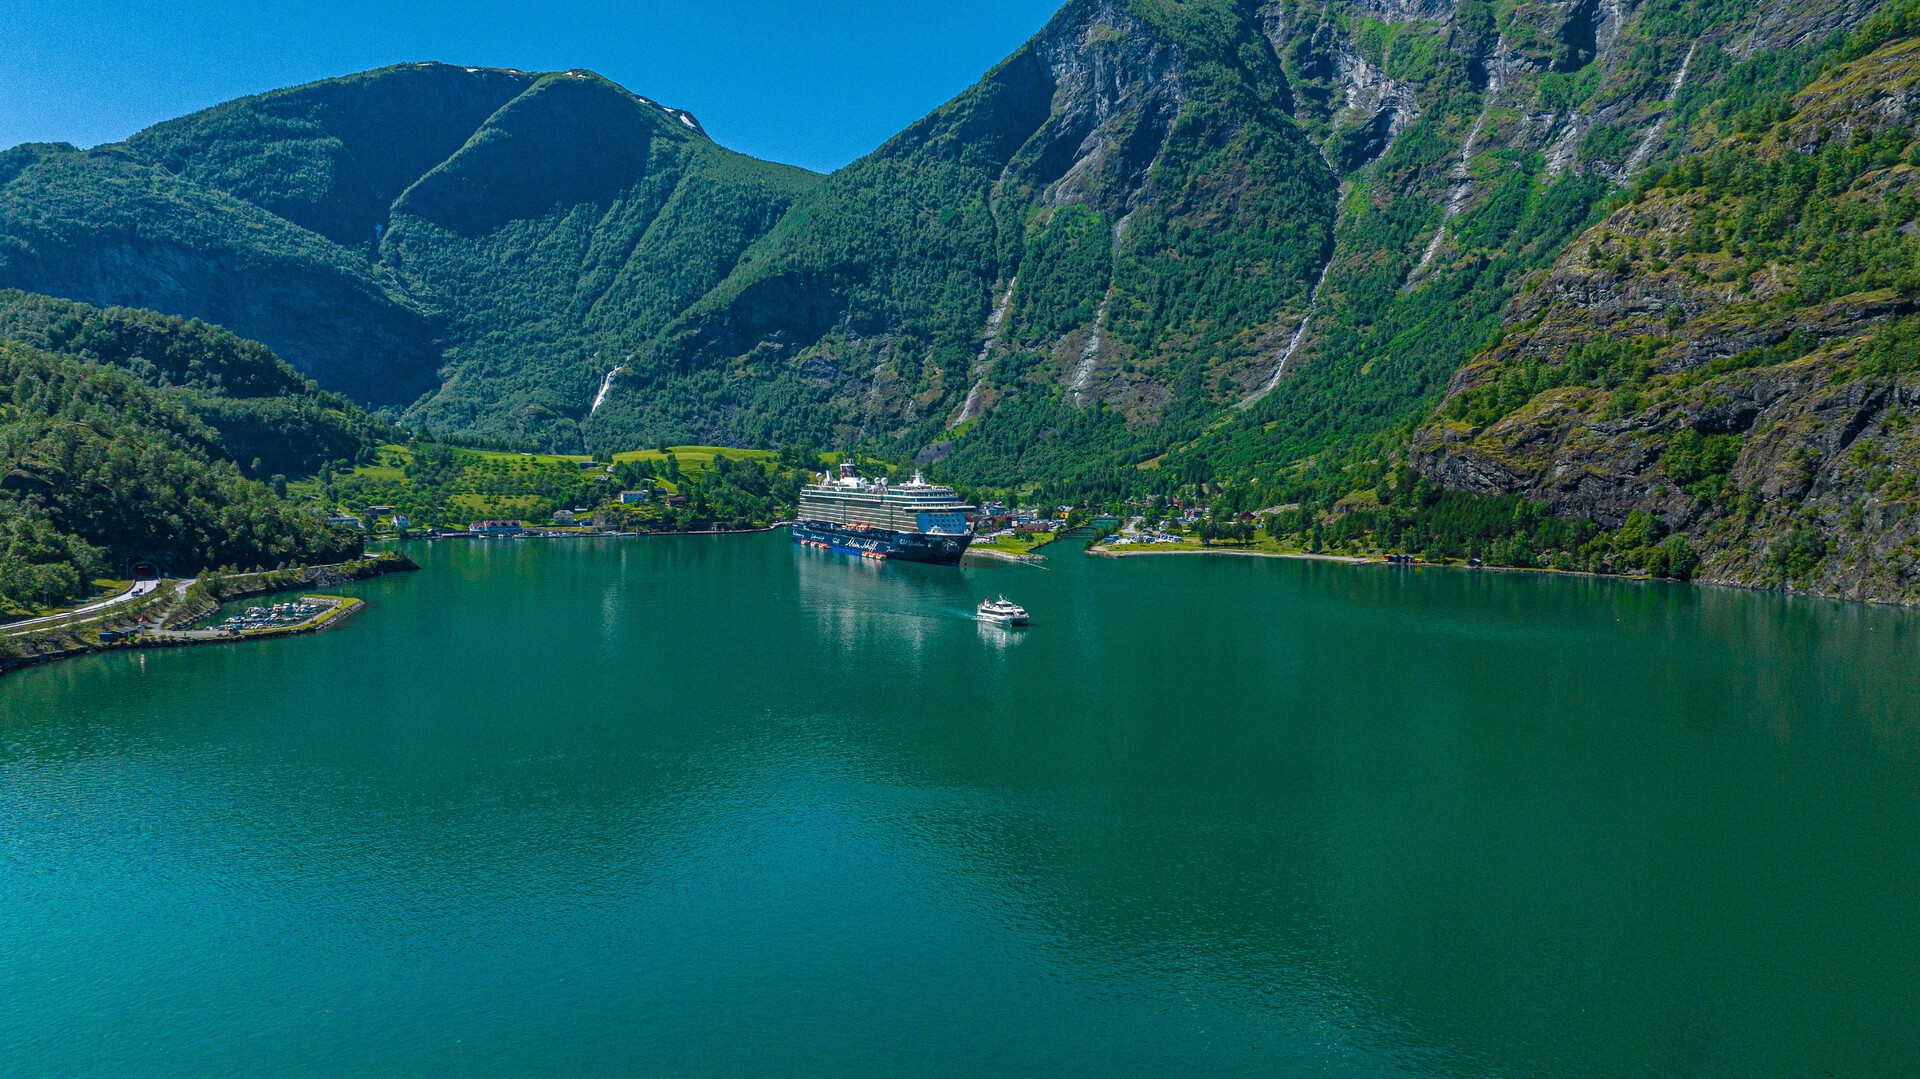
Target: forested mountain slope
106,463
1735,351
270,419
481,245
1234,233
1122,218
105,227
1247,230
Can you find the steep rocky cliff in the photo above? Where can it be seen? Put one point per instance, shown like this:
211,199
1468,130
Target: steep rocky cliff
1117,216
1732,352
1242,232
1474,142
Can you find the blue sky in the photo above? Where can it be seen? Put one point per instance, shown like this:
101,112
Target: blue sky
810,82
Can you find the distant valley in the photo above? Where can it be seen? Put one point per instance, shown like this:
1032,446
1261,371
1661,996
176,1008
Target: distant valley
1607,287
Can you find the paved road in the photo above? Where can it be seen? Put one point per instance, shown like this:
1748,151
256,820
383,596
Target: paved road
140,590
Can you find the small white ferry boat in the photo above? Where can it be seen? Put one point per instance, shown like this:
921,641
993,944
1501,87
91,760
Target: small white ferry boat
1002,612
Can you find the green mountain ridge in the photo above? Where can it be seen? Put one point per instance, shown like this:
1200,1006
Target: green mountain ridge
423,235
1280,248
1166,212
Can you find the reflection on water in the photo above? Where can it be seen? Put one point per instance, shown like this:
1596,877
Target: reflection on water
555,807
999,636
867,603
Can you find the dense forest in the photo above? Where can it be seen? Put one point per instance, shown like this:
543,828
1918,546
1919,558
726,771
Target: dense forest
270,419
102,470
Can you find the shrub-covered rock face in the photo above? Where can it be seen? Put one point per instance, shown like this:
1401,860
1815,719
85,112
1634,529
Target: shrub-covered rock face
1734,349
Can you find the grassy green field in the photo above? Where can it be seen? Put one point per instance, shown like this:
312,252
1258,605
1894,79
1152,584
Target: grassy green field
494,506
693,458
1017,544
441,485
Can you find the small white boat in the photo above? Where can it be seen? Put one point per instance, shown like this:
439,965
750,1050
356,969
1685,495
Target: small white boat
1002,612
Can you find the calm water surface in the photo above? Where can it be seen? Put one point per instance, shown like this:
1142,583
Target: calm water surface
718,806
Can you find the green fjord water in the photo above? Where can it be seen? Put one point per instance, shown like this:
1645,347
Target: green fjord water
714,805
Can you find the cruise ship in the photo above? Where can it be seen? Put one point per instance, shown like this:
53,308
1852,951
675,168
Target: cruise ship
914,522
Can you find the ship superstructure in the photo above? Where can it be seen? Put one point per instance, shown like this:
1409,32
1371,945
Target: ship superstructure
914,521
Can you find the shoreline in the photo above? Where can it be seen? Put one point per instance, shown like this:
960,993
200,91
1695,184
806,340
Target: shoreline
539,535
338,608
341,608
1028,559
1380,560
169,634
172,626
1304,556
1540,571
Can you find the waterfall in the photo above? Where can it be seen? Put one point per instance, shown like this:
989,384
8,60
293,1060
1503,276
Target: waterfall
1652,135
1462,171
995,323
1089,362
606,386
1293,343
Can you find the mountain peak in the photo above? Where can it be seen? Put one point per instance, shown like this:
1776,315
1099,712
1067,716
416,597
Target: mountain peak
334,156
